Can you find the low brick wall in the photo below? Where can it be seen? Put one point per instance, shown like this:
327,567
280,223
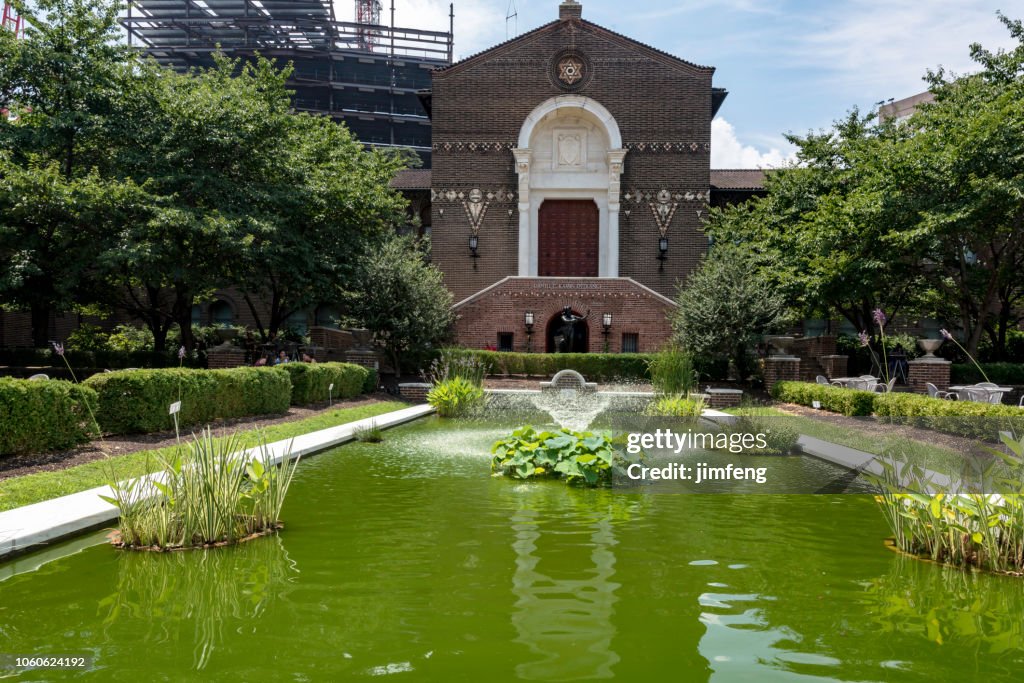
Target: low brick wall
780,369
415,392
217,359
723,398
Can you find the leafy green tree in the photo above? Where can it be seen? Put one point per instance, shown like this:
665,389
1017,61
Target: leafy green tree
727,305
58,86
402,299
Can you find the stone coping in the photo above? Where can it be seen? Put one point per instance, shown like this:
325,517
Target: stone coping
34,527
732,392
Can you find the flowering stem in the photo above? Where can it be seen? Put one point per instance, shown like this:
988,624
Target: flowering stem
951,338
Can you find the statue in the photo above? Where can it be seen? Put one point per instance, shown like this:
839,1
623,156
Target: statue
566,337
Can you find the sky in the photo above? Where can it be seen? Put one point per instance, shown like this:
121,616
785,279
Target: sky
789,65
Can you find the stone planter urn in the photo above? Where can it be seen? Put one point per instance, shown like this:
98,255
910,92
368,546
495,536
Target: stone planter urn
780,346
225,335
929,346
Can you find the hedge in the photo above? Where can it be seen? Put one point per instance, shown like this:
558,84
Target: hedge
593,366
962,418
835,399
98,359
1000,373
137,400
45,415
311,381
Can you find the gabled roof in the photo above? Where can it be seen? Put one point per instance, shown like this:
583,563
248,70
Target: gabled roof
664,57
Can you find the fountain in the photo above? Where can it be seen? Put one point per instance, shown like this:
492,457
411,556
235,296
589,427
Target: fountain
570,400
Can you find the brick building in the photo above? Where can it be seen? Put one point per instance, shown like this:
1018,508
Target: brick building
571,168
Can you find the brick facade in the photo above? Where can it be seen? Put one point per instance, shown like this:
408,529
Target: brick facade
635,310
662,107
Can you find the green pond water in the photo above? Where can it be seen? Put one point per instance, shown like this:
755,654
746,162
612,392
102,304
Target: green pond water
406,560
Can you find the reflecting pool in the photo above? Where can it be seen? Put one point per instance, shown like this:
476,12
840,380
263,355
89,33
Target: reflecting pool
407,559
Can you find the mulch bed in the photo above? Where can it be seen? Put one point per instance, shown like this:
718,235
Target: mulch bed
122,444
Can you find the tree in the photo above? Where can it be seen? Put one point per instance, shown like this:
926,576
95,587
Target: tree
57,89
727,305
401,298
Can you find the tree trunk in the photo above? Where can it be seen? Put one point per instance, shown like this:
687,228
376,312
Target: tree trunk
182,314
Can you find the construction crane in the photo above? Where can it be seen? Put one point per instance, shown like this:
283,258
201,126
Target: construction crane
12,21
368,13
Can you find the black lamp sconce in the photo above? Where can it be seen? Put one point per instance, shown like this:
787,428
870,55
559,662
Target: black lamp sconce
662,252
528,320
474,242
606,322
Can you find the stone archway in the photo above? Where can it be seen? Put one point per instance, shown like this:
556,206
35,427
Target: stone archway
569,148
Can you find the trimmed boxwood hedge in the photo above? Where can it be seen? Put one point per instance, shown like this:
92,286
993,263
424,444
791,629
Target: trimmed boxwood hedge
137,400
849,402
962,418
1000,373
310,381
44,415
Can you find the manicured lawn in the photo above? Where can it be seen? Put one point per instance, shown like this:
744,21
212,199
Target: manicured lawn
33,488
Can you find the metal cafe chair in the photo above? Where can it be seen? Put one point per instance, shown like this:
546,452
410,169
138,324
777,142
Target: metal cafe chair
935,392
40,375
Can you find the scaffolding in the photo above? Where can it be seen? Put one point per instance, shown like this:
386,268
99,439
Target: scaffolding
363,73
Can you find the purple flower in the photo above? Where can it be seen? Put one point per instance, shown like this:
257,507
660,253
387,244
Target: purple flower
181,353
865,340
946,335
58,349
879,316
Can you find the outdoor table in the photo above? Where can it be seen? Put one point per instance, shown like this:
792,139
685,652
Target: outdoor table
856,382
961,391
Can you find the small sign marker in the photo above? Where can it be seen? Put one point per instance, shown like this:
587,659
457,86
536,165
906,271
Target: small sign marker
175,408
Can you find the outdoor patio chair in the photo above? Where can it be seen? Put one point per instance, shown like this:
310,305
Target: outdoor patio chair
1021,404
977,394
935,392
40,375
821,379
884,387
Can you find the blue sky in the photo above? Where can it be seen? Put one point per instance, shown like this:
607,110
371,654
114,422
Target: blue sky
789,65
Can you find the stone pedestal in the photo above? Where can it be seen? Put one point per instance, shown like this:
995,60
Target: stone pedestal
221,357
834,366
364,357
414,392
925,370
781,369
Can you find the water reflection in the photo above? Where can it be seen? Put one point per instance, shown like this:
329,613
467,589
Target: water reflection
198,595
566,596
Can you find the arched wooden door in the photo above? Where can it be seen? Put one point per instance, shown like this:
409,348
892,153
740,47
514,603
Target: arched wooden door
568,238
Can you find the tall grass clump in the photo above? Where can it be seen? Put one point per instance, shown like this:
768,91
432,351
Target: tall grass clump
981,530
458,382
673,372
206,493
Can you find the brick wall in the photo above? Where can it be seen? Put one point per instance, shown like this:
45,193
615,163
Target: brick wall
780,369
634,308
479,106
922,372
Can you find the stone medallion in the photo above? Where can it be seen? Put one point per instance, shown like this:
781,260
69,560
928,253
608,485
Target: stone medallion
570,70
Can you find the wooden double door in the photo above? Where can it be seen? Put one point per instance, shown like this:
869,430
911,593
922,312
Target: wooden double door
568,243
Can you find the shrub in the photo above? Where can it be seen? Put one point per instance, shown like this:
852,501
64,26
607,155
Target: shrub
1000,373
455,397
87,338
836,399
128,339
963,418
675,406
580,457
311,381
137,400
593,366
370,383
44,415
672,371
208,494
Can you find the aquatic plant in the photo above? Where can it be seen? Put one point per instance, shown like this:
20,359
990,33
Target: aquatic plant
205,493
672,371
455,397
675,406
451,364
368,433
578,457
983,530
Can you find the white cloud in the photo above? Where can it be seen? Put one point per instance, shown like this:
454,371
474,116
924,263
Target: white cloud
884,47
728,152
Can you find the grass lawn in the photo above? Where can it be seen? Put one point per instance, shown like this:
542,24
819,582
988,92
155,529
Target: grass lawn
34,488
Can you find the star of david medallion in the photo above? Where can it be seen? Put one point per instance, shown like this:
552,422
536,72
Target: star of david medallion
570,70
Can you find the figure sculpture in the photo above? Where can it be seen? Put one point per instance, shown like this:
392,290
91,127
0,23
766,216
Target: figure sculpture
566,337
